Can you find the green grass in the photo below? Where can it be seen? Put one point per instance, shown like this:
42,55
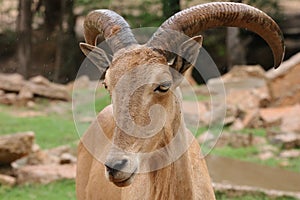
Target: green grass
258,196
243,153
250,153
255,131
58,129
50,131
102,102
61,190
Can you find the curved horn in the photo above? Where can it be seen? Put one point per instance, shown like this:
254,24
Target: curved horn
205,16
108,25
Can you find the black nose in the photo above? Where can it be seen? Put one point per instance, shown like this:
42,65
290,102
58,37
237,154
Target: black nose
116,166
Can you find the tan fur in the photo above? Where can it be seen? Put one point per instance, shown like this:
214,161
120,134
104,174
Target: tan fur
186,178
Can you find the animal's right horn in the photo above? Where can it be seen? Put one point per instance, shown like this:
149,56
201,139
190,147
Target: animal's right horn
100,25
211,15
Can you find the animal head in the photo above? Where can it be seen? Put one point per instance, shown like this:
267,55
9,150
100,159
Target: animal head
143,79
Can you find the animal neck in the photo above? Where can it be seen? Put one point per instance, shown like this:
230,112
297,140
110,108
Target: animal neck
174,181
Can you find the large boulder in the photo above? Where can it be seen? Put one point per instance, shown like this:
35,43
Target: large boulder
6,180
15,146
26,90
287,117
239,78
245,89
285,82
44,174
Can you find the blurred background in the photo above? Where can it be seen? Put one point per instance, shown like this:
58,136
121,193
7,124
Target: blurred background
258,153
41,36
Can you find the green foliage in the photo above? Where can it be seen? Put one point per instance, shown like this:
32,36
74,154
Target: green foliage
146,17
89,5
269,6
61,190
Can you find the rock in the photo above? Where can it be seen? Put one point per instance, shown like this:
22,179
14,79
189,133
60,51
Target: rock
245,71
293,153
7,170
251,119
11,82
51,90
195,113
67,158
268,148
248,100
259,141
241,140
291,120
82,82
285,82
287,118
40,80
237,125
30,104
239,78
266,155
2,93
205,137
287,140
25,94
37,158
6,180
58,155
35,86
58,151
8,98
15,146
44,174
290,98
284,163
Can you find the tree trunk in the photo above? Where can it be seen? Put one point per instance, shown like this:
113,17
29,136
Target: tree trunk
235,48
52,14
67,48
60,40
236,54
24,36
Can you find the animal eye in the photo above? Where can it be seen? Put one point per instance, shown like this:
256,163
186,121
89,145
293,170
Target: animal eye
163,87
104,84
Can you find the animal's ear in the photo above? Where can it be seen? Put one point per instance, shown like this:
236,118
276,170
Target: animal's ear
96,55
188,54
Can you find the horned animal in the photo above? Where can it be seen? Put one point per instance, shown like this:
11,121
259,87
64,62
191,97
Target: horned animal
144,123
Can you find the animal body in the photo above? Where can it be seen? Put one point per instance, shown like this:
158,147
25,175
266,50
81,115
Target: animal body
139,147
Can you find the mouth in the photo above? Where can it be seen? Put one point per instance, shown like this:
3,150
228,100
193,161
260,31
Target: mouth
125,182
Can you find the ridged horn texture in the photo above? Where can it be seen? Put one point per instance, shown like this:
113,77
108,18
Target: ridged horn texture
211,15
100,25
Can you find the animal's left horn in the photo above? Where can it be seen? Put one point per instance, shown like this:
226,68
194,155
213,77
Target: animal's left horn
205,16
100,25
